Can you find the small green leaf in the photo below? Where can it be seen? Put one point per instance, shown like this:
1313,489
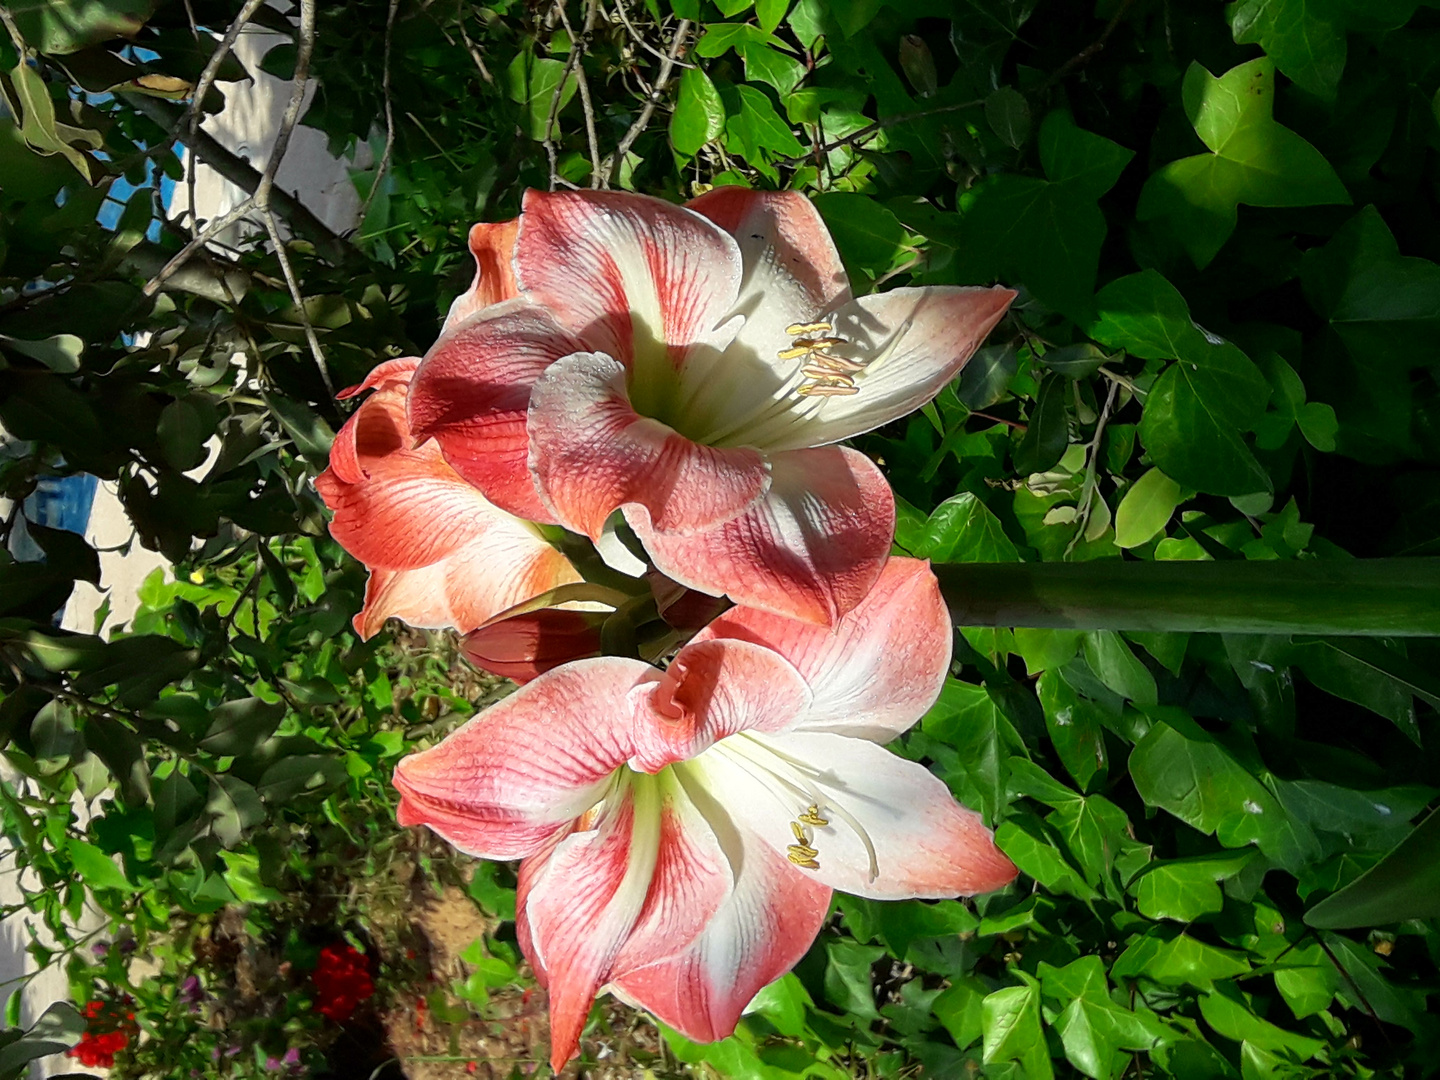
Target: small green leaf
95,868
1048,433
1146,509
60,353
699,113
1008,114
1115,665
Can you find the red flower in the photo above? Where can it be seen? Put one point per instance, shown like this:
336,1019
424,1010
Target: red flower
106,1034
342,981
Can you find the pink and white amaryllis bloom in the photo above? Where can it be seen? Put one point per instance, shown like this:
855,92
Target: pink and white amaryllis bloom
439,554
694,368
682,829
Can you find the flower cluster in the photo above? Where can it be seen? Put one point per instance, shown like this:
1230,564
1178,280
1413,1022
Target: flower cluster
342,981
107,1032
637,391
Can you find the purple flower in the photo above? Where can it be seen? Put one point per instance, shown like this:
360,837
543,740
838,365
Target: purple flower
292,1057
100,949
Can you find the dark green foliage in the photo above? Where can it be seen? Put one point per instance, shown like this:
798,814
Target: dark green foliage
1222,224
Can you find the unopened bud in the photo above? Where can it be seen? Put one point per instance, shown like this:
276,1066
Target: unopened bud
528,645
918,65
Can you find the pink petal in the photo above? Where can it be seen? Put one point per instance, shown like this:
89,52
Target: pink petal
493,245
811,549
400,370
792,274
439,553
880,668
713,689
638,886
915,340
501,784
504,566
591,453
472,392
923,842
761,931
634,276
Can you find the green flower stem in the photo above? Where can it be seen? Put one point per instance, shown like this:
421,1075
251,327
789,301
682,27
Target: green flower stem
1375,597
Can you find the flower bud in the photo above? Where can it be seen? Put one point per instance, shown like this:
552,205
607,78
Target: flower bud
918,65
528,645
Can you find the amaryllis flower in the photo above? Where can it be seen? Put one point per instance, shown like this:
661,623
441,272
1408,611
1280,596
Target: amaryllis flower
527,645
682,829
692,367
438,552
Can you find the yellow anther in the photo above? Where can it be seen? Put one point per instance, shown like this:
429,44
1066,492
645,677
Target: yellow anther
805,862
812,817
799,832
825,342
793,354
828,390
797,329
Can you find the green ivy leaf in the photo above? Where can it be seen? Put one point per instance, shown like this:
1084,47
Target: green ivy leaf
1178,960
1405,884
1185,889
871,239
1385,306
1045,234
1073,722
1182,769
1253,160
1300,36
1115,665
1012,1032
962,529
1227,1011
1198,408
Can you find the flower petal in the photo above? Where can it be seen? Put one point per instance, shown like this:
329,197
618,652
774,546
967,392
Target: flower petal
634,889
894,831
913,341
881,667
499,786
792,274
711,690
504,566
472,392
634,276
591,453
439,553
811,549
763,928
493,245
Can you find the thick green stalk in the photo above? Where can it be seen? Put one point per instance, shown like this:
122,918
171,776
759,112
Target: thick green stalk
1377,597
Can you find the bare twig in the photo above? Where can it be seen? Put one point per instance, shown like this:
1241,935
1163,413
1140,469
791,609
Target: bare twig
202,87
273,228
577,49
259,198
636,36
667,66
384,165
475,54
1085,55
1089,490
245,176
879,125
549,141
